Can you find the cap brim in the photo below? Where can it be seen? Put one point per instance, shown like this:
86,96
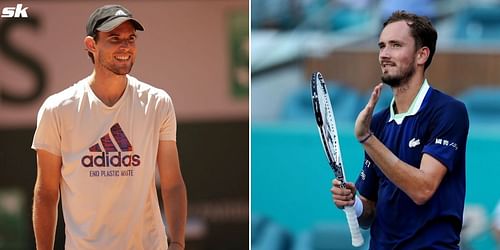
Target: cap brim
111,25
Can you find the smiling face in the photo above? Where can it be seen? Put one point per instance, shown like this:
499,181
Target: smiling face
115,50
397,54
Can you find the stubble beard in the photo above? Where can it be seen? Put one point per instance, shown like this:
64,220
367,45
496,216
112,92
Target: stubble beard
400,78
116,69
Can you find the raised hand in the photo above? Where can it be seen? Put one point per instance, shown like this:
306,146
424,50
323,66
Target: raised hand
362,125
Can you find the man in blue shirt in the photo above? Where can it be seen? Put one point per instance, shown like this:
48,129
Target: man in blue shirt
411,189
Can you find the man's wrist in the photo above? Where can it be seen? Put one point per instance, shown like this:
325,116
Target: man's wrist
177,243
366,137
358,206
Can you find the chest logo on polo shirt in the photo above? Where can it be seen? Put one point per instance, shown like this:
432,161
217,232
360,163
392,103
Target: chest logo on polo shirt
413,143
105,153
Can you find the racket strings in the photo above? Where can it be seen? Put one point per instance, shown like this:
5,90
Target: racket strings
328,119
330,131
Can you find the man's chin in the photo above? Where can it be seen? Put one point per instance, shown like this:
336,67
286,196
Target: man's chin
122,71
391,81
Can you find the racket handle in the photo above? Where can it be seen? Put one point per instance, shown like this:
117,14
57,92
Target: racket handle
352,220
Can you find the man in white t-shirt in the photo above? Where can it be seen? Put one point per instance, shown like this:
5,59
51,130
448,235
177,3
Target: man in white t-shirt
98,145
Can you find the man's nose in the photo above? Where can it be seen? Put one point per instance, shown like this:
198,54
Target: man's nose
383,53
125,44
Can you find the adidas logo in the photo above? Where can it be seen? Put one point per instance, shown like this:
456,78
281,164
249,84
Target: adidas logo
112,156
120,13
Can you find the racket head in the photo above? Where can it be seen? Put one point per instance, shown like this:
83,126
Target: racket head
325,121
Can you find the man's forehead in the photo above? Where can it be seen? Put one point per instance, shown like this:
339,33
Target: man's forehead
396,31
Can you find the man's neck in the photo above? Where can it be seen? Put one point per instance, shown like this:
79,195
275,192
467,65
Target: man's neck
108,87
406,93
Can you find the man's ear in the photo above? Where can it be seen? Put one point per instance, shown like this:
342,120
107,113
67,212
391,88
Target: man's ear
423,55
90,44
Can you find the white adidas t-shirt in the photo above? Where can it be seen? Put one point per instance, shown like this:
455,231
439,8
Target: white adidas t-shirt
108,155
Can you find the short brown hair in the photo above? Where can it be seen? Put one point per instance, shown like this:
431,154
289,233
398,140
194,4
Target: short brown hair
421,30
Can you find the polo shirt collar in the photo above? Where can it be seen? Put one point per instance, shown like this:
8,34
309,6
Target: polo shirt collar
414,107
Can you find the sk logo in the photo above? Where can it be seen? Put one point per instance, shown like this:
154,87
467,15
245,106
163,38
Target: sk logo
15,12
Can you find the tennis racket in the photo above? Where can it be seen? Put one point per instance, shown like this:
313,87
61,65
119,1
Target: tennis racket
328,133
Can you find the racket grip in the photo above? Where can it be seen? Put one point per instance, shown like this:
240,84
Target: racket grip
352,220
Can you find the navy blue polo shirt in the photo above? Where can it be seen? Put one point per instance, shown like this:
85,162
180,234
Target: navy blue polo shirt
438,125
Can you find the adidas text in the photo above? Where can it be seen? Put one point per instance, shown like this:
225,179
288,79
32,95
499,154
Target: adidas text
114,160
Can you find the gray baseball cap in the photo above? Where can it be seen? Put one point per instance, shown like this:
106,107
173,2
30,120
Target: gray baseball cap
108,17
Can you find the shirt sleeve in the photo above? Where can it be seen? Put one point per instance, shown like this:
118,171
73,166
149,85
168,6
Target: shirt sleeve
47,134
449,131
367,182
168,127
